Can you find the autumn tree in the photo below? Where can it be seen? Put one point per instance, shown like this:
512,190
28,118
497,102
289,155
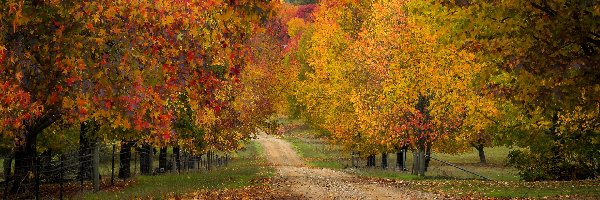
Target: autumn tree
119,64
325,89
380,76
543,59
36,37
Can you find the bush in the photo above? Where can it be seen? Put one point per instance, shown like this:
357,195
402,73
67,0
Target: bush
536,166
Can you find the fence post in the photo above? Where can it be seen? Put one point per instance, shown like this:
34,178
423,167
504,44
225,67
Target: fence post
353,159
6,181
210,156
7,177
135,162
187,162
62,168
112,171
178,161
173,164
96,166
206,162
37,176
81,173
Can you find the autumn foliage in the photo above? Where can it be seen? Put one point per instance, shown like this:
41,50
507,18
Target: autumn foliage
379,76
375,76
162,72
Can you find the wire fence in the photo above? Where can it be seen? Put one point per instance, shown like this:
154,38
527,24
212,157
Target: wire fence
56,175
439,166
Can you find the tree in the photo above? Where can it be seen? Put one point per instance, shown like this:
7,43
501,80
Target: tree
543,59
35,36
73,61
386,74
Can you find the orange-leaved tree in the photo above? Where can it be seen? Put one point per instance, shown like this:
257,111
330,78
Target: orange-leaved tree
119,64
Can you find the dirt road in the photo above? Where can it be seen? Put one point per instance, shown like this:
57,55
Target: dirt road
313,183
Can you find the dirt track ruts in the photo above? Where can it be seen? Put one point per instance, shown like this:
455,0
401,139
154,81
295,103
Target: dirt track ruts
316,183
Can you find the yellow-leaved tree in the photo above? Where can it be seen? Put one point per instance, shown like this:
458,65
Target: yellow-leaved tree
387,74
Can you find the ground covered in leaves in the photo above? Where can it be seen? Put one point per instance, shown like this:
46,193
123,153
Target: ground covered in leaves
262,190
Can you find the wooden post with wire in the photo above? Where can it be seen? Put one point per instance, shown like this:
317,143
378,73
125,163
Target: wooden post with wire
112,171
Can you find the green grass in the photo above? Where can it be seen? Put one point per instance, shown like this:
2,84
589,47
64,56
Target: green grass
248,165
315,151
495,169
319,153
442,178
512,189
387,174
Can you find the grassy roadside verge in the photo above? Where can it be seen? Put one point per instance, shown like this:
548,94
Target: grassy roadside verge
315,153
248,165
588,189
446,180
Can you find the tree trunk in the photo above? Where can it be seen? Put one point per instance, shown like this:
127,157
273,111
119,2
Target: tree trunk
384,160
125,160
427,154
150,159
481,153
177,157
24,160
85,152
422,143
146,159
422,162
419,161
162,160
371,160
401,158
415,166
209,160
